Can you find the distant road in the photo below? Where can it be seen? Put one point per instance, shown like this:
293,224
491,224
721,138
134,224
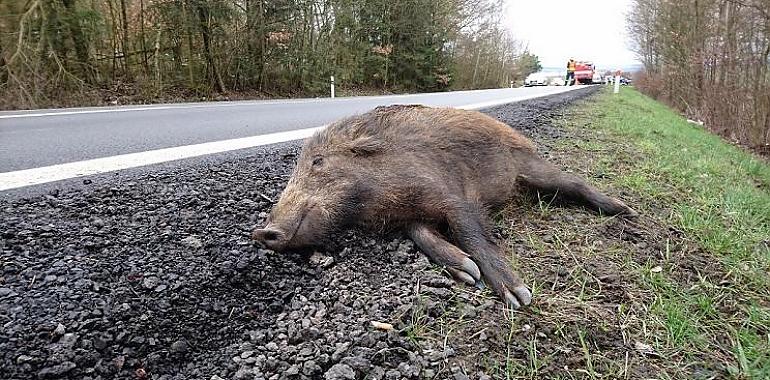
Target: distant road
41,146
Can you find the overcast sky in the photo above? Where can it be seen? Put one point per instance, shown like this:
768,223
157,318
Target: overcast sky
556,30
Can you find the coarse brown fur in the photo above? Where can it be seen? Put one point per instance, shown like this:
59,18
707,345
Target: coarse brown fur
434,172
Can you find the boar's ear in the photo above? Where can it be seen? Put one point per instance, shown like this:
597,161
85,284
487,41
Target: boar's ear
365,146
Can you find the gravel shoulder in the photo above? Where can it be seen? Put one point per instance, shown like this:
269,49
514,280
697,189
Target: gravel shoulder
154,277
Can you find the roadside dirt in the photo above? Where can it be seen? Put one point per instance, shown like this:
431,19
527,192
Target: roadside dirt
157,279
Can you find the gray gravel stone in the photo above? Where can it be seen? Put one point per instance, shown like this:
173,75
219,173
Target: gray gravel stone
246,354
24,359
244,373
458,374
293,370
192,242
180,346
340,372
393,374
68,340
56,371
150,282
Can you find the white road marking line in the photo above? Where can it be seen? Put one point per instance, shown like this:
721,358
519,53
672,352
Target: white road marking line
150,108
97,110
41,175
37,176
85,111
64,113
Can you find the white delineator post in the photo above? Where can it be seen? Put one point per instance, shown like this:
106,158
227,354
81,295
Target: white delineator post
617,82
332,86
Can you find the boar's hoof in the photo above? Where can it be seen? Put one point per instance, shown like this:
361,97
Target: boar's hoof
630,213
521,296
471,268
462,276
623,209
469,272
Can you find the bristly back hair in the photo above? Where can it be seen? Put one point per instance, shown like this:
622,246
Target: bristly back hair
363,128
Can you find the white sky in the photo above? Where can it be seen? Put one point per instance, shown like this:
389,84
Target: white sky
556,30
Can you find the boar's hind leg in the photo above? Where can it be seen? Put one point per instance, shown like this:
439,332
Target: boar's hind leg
444,253
471,235
542,175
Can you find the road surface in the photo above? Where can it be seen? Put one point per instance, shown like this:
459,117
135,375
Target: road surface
42,146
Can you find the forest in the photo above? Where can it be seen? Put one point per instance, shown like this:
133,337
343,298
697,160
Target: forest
57,53
709,59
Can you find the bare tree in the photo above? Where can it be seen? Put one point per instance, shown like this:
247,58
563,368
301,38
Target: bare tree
710,59
147,50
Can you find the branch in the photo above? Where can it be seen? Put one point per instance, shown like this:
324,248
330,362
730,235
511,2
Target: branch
758,7
22,21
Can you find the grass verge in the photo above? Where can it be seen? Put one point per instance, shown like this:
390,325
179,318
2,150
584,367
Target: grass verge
682,292
719,197
703,271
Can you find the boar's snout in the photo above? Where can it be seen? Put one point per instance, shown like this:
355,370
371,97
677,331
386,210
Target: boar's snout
270,237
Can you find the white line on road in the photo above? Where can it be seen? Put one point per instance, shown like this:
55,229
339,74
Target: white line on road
94,110
86,111
98,110
64,113
161,107
37,176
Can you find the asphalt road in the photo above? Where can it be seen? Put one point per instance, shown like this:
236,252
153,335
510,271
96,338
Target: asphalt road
42,138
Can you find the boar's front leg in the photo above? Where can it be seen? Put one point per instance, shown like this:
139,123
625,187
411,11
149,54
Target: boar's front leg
445,253
469,231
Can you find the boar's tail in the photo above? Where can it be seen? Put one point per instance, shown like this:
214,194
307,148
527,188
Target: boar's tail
544,177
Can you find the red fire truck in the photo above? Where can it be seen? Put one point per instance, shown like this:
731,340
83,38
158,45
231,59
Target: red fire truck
584,72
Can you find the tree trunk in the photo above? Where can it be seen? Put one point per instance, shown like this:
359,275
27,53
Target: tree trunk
3,69
114,35
54,35
124,43
476,68
143,44
190,58
255,44
79,41
216,79
158,84
261,46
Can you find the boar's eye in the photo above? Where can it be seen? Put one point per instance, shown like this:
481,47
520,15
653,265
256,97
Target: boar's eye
318,161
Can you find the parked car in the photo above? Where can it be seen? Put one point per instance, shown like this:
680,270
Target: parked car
598,78
536,79
545,78
623,80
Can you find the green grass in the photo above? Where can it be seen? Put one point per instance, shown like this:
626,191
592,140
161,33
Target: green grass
682,292
719,196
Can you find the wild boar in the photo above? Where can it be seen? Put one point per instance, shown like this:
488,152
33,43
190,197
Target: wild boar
435,173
